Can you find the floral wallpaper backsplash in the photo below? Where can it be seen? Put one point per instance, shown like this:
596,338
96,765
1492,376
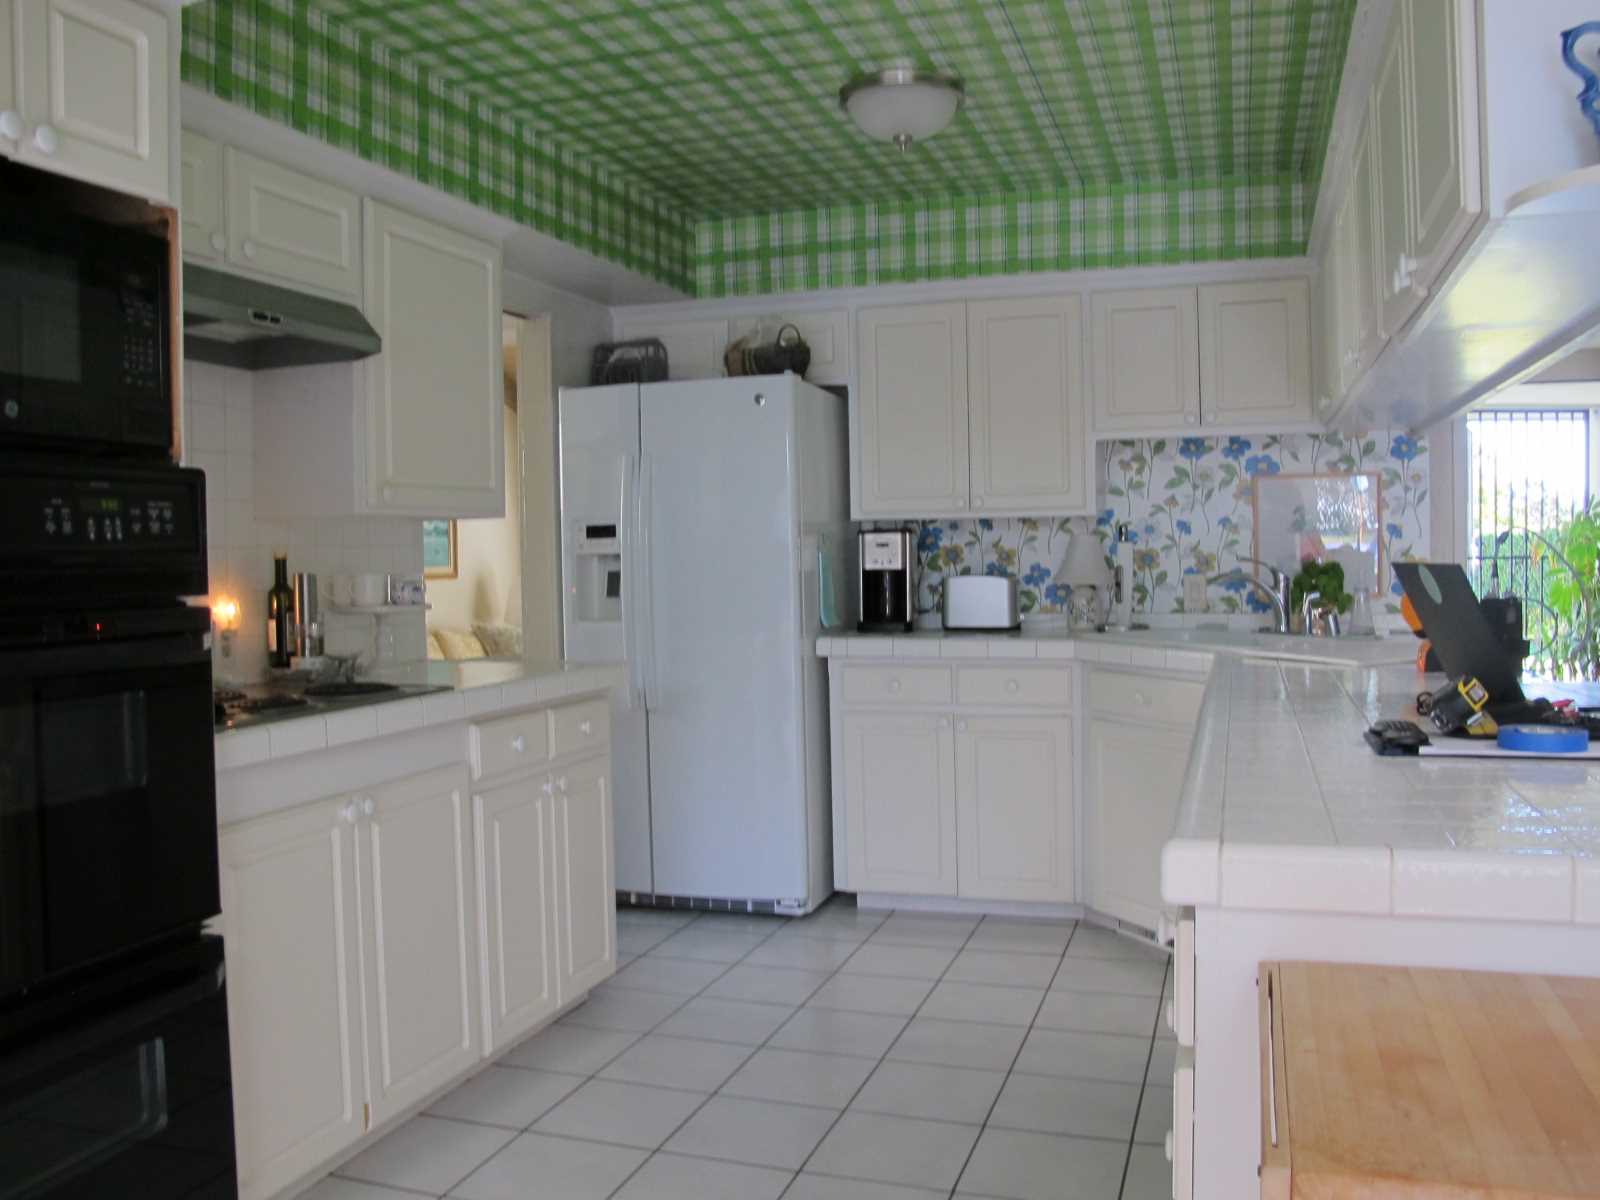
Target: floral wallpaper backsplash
1188,502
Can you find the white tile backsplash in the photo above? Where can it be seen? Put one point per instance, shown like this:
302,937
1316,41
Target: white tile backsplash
219,425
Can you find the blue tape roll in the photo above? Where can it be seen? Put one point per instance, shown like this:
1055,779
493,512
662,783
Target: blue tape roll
1543,739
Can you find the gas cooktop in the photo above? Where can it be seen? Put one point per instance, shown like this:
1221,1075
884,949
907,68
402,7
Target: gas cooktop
245,708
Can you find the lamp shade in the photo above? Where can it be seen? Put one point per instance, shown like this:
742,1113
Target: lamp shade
901,105
1085,564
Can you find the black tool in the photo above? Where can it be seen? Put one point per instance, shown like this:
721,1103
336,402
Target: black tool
1391,739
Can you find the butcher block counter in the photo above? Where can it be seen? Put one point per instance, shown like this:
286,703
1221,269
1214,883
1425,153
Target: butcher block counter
1426,1084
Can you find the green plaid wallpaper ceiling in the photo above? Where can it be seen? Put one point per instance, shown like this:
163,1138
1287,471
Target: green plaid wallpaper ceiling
700,141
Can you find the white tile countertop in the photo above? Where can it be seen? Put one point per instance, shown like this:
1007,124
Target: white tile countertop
473,689
1163,648
1286,809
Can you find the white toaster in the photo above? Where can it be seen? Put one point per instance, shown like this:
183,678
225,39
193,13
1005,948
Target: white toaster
981,602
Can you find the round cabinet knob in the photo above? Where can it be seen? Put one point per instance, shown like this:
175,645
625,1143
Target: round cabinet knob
978,501
249,248
944,722
1170,1012
218,243
46,140
1141,699
561,784
1167,1145
586,727
1012,687
349,813
894,687
368,806
1190,419
960,503
549,788
961,726
519,743
11,124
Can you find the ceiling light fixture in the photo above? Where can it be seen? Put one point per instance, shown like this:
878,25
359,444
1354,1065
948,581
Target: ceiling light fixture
902,104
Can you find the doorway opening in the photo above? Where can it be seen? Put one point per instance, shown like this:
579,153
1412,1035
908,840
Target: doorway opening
493,582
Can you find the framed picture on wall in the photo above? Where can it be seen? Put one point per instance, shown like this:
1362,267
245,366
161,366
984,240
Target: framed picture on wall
439,550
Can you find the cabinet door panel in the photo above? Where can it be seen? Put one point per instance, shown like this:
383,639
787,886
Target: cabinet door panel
1146,351
913,410
98,77
290,910
1446,186
1014,817
1391,131
1025,374
1365,245
1255,353
517,891
435,391
201,198
293,227
899,779
586,917
420,949
1135,780
10,94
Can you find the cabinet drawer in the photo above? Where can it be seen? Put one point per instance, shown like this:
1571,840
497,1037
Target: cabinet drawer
579,727
1038,686
1145,697
505,744
895,685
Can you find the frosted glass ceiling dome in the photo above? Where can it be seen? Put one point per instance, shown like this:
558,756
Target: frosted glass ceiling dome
901,104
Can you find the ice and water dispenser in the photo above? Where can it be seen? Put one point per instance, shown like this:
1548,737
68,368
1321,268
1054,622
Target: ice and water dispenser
598,568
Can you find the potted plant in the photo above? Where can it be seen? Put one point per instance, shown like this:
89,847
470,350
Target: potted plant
1572,552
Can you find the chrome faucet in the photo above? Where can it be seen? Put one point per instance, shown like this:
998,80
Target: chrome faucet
1279,593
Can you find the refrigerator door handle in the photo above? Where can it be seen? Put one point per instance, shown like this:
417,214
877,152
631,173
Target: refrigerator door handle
630,607
644,507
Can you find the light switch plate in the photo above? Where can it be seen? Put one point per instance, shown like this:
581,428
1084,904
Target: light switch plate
1194,594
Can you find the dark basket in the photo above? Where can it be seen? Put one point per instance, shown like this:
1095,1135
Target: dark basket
643,360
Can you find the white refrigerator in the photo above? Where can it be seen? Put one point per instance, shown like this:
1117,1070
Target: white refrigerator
705,536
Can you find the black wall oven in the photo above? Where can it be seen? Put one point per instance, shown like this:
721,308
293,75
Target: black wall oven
113,1029
85,339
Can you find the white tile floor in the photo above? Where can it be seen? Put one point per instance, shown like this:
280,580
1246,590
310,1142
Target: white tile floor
844,1056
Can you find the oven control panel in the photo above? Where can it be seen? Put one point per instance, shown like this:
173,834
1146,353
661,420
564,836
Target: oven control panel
105,514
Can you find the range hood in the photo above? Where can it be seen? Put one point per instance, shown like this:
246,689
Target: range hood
238,322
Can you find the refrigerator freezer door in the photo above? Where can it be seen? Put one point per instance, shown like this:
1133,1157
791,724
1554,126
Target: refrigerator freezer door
599,429
726,767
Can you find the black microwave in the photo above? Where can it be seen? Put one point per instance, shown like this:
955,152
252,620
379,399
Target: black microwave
85,345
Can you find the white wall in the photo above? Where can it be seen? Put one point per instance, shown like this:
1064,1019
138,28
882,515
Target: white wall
219,431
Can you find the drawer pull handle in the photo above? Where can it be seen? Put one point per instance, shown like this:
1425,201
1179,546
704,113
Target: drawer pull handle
218,243
561,785
368,806
1013,687
11,125
894,687
586,727
519,743
46,140
1141,699
249,248
349,813
961,726
549,788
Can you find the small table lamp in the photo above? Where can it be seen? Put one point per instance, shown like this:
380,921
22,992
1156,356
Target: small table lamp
1084,571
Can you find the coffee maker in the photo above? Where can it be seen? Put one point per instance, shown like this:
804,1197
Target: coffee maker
886,588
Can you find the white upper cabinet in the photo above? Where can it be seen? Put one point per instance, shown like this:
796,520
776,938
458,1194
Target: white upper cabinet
1391,129
912,411
1014,809
290,227
1255,354
434,394
201,198
290,905
96,84
1361,277
1025,368
1146,350
1446,186
421,967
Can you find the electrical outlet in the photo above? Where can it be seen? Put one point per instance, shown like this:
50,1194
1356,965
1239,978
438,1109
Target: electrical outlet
1194,594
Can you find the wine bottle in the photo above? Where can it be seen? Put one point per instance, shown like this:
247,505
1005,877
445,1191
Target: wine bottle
280,614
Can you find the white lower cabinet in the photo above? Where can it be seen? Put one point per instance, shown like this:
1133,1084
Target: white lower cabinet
1135,778
382,942
1014,812
899,794
291,906
420,952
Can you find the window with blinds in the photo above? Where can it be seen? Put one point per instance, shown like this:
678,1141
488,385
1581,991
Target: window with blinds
1529,471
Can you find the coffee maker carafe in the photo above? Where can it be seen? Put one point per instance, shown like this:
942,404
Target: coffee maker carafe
886,590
